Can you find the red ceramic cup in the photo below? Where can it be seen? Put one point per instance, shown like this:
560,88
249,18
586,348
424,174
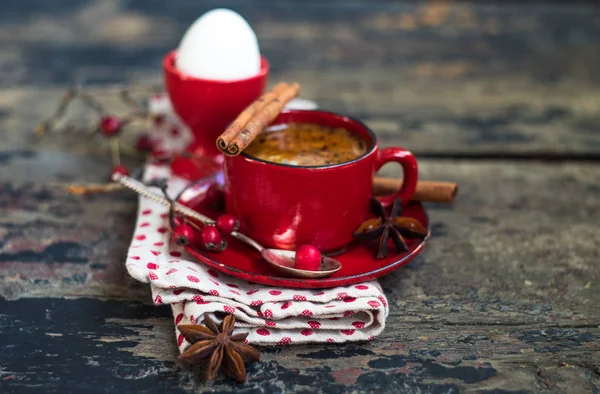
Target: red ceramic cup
208,106
284,206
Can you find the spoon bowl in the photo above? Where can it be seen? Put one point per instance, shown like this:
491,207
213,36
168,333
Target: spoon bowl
283,261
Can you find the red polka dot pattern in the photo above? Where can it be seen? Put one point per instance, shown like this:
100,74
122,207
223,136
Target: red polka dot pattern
274,292
307,332
229,309
178,318
341,296
263,331
314,324
193,279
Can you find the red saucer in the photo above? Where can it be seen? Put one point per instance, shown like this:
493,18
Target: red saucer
241,261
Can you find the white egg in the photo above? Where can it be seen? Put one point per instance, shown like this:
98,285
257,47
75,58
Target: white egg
219,45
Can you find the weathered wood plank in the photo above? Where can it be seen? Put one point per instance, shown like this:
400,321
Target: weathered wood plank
509,279
50,345
437,77
526,233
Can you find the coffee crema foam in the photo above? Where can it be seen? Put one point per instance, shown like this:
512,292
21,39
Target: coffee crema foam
307,144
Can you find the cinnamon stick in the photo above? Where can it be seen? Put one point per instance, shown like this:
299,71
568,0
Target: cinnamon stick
427,191
238,124
261,120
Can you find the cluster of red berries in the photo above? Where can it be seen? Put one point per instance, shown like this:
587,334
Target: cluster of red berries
111,126
209,237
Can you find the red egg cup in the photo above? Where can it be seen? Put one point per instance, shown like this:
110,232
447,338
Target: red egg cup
207,107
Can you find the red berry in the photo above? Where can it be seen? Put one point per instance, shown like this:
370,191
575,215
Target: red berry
227,224
158,120
120,169
210,238
110,125
308,258
184,235
144,144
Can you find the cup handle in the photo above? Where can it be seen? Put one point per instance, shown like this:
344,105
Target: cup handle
409,166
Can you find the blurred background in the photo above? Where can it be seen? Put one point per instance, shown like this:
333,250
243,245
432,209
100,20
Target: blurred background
449,75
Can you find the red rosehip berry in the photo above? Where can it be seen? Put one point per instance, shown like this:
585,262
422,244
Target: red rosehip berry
120,169
227,224
184,235
110,125
308,258
144,144
158,120
210,238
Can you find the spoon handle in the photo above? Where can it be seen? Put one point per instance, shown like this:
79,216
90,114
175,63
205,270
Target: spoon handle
248,241
145,191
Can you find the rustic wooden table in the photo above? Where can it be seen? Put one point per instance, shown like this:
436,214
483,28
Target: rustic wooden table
504,100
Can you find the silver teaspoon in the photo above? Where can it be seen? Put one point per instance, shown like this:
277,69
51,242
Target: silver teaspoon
282,260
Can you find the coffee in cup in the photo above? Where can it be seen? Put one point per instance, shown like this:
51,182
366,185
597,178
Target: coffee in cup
307,144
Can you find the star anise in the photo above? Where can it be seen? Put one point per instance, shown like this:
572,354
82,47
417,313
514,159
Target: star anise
394,225
219,346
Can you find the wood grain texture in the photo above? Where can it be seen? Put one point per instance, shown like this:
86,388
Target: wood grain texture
505,296
435,77
504,299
